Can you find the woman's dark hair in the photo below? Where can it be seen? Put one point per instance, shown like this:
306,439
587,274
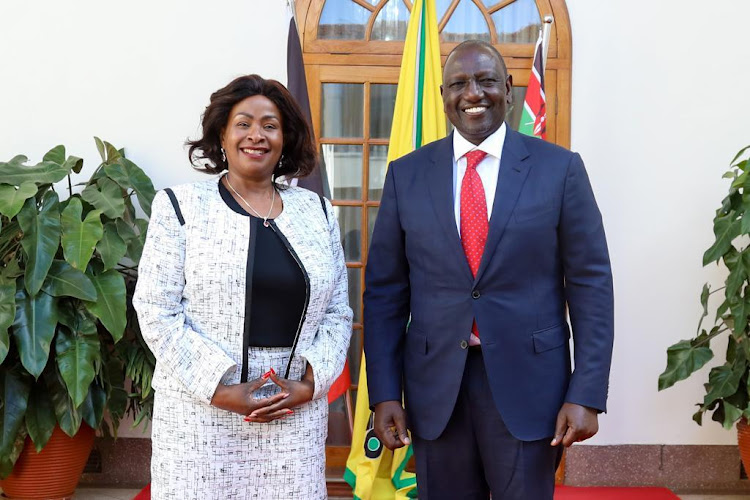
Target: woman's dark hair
299,151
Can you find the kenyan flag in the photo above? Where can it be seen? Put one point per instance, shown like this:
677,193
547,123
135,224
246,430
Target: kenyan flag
534,117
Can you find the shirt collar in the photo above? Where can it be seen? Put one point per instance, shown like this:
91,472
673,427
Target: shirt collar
492,145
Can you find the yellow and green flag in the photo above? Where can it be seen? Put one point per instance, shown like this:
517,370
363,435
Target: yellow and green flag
373,471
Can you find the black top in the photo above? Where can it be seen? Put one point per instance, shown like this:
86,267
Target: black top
276,289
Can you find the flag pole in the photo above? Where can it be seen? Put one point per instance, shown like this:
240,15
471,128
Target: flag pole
546,29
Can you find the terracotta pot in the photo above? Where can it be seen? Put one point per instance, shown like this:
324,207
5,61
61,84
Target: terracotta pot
53,473
743,440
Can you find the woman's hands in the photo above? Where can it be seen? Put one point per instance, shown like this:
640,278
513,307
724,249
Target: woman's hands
239,398
297,394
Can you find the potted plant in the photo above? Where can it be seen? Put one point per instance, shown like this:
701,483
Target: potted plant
728,390
67,339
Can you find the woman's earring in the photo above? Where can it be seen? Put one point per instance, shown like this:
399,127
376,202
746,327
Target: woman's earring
223,156
281,162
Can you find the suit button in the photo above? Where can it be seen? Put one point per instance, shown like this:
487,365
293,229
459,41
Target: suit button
464,344
475,294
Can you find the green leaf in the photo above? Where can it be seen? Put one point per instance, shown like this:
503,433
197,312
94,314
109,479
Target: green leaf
16,173
63,280
739,154
41,238
731,415
12,198
40,417
125,230
79,238
76,355
110,306
111,247
7,462
117,397
107,196
128,175
740,308
15,397
67,415
73,163
135,247
56,155
7,315
100,147
736,279
34,328
726,229
682,360
722,381
94,405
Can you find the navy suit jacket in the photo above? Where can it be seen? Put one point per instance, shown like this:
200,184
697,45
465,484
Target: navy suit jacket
545,250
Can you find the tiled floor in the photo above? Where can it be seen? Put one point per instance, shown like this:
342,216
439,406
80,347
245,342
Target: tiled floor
122,494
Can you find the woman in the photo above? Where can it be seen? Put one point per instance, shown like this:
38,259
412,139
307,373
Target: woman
242,297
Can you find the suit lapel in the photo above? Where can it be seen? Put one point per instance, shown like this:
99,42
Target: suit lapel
440,185
513,172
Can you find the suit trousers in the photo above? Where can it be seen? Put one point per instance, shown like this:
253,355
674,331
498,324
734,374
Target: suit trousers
476,455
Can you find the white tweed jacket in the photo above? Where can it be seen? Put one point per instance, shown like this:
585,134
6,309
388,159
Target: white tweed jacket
191,290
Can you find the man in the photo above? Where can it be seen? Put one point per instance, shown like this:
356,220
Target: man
482,240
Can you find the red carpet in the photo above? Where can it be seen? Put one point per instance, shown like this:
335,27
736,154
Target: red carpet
564,493
574,493
144,494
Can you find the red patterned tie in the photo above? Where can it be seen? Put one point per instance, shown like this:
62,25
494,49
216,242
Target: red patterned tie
474,223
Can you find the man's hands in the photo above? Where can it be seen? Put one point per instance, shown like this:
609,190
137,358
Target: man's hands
239,398
575,423
390,424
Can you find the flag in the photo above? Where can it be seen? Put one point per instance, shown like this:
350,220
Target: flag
534,116
373,471
297,85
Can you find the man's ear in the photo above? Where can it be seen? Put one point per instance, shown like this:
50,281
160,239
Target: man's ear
509,89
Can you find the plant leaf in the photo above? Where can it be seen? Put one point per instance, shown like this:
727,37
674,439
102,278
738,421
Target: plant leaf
41,238
100,148
16,173
111,247
107,196
722,382
110,306
125,230
731,415
726,229
40,417
56,155
7,462
63,280
12,198
128,175
79,238
67,415
76,355
739,154
34,328
682,360
7,315
736,278
73,163
15,397
92,409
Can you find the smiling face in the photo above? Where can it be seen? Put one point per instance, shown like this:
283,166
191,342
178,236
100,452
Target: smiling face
476,91
253,138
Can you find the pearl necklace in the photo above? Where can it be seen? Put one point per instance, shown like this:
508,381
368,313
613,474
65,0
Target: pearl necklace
273,199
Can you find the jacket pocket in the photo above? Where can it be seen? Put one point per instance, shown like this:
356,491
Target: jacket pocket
534,213
550,338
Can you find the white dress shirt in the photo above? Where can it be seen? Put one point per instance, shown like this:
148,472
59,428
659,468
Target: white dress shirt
487,169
